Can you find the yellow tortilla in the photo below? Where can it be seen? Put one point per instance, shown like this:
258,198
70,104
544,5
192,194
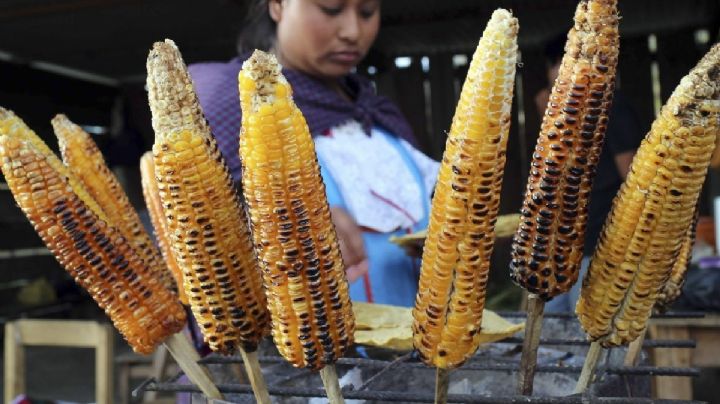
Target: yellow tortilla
390,327
504,227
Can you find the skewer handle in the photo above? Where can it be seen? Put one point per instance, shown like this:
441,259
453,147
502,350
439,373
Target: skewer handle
588,370
186,356
442,383
634,349
257,381
332,385
533,328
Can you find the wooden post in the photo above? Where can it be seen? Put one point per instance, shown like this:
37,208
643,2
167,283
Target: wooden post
588,370
14,362
186,356
123,385
104,364
442,383
332,385
257,381
676,388
533,328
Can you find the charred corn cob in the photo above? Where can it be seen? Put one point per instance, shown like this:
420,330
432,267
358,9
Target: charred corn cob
312,320
456,258
82,156
95,254
207,225
653,210
151,193
673,287
11,125
547,248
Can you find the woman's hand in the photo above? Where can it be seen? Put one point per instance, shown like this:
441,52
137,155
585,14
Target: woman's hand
351,243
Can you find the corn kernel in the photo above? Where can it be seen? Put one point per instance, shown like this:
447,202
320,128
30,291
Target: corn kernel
657,217
451,295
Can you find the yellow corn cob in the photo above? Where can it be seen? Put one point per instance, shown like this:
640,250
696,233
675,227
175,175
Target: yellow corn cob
95,254
207,225
312,320
82,156
673,287
11,125
458,248
547,247
151,193
653,210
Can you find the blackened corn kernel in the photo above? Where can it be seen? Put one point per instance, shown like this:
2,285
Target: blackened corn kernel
673,287
304,275
205,219
461,233
646,234
579,103
83,158
144,315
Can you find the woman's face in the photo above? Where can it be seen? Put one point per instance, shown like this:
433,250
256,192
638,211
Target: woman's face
324,38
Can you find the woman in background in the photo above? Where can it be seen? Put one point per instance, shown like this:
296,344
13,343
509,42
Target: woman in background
378,184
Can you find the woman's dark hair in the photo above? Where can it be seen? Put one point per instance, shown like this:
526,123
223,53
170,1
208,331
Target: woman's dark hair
258,30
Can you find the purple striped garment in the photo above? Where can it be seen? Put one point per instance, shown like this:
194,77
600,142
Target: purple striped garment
217,89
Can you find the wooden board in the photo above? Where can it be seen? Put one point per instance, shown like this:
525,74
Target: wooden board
705,331
77,334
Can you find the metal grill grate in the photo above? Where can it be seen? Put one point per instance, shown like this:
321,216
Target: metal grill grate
379,368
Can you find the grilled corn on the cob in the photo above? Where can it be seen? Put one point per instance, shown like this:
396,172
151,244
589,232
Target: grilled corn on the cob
547,248
11,125
151,193
82,156
312,320
673,287
653,210
95,254
456,258
206,223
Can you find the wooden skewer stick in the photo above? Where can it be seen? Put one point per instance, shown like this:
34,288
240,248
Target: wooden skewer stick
533,328
588,370
257,381
332,385
159,364
186,356
634,349
442,383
